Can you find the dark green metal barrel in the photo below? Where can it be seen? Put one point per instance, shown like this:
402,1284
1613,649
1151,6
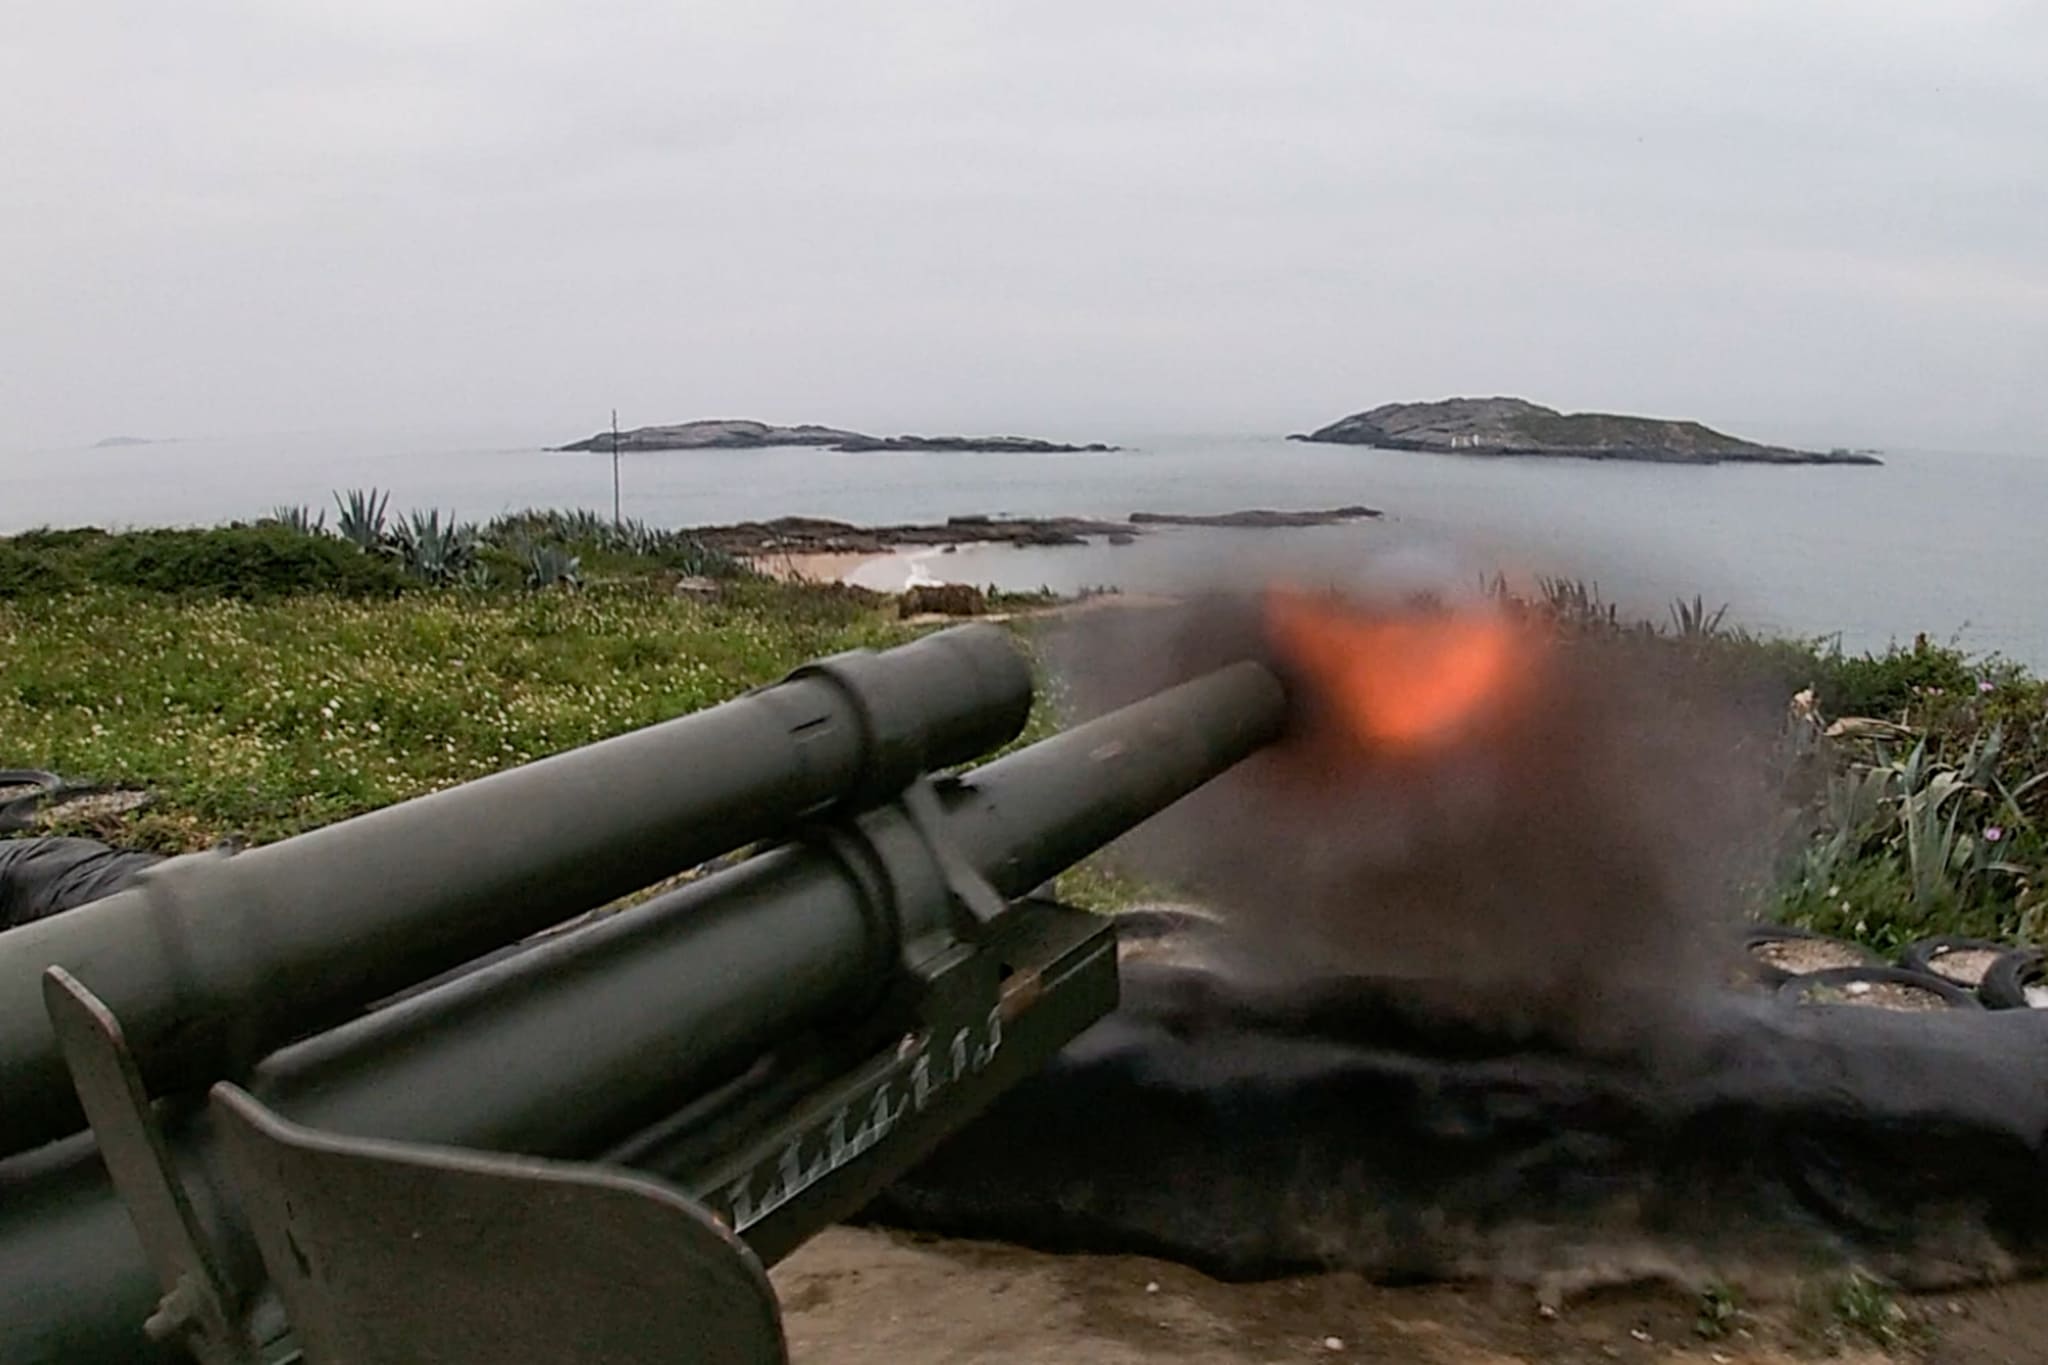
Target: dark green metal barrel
216,960
566,1047
630,1013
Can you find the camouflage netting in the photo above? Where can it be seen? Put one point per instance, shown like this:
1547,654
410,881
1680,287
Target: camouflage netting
1250,1124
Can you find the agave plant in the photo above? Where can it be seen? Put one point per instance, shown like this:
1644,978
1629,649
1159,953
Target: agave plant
1576,604
517,530
432,550
300,519
1692,621
1929,802
361,519
548,565
637,537
693,556
513,530
1925,810
587,531
1855,811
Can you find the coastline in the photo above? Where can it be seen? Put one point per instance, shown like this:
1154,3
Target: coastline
1806,550
814,566
809,549
1505,427
1773,456
856,568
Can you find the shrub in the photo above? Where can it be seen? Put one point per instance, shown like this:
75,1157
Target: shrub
548,565
29,572
1933,821
598,543
247,562
47,539
299,518
1889,683
824,606
434,551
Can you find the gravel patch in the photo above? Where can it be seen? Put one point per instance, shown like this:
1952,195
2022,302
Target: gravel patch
1802,955
90,806
1964,966
1883,995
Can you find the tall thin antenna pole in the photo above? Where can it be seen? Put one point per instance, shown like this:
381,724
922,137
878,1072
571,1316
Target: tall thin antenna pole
616,522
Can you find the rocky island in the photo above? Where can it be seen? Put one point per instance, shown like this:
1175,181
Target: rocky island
1021,445
741,434
1517,427
816,535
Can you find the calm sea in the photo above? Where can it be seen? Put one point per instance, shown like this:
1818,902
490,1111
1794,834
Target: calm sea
1949,543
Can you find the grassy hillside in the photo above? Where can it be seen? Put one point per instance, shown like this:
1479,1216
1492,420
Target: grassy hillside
258,681
265,718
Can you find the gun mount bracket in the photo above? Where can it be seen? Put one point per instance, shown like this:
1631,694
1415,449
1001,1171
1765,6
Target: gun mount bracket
194,1307
970,889
925,901
404,1251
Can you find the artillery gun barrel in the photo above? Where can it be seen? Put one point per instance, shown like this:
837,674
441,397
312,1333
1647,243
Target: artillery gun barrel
628,1014
565,1047
214,961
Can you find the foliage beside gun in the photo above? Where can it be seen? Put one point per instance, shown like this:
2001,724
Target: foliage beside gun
1930,771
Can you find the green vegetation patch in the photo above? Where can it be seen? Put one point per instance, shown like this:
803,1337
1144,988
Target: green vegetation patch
262,680
250,563
1921,805
264,718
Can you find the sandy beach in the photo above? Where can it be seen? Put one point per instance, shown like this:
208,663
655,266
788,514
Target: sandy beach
890,570
833,566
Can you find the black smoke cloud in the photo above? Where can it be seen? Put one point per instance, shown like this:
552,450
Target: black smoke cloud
1574,868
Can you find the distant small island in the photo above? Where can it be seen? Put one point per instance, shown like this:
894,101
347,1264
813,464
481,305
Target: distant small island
1517,427
742,434
1021,445
816,535
115,442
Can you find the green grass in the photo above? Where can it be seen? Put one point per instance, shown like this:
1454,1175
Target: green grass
258,681
1100,884
1720,1310
1860,1309
261,719
246,562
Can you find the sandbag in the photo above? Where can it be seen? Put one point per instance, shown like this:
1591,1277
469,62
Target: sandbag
40,877
1252,1126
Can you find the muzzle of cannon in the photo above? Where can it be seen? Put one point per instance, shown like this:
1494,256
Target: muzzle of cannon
375,1093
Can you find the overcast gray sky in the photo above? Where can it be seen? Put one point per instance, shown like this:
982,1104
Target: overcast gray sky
1808,221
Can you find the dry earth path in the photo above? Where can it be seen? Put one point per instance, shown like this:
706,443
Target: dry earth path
862,1297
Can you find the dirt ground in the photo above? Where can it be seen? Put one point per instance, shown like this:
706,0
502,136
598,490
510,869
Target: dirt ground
862,1297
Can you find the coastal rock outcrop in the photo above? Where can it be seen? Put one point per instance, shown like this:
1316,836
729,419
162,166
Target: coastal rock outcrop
1517,427
1256,517
718,434
816,535
1019,445
744,434
941,599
